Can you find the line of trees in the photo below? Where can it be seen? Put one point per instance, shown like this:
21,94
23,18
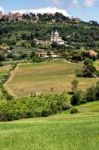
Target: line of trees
81,97
34,106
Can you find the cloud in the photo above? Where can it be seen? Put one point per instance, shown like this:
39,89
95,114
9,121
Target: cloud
89,3
52,10
1,8
75,3
56,1
84,3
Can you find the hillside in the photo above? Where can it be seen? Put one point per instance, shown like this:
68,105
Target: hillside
59,132
46,77
19,40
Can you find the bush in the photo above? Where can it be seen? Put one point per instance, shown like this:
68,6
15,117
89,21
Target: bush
75,100
34,106
97,73
37,60
90,94
74,111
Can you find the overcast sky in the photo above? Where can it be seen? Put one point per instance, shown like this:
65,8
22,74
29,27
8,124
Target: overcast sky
84,9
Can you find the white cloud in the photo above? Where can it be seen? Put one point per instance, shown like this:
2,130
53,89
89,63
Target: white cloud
84,3
1,8
89,3
52,10
75,3
56,1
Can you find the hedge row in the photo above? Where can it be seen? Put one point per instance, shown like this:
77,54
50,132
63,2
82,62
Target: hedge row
35,106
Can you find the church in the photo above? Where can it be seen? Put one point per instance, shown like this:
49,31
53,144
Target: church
55,38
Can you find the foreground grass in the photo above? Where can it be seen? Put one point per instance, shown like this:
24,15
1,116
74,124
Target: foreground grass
46,77
60,132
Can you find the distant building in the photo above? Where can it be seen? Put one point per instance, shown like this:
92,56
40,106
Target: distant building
13,17
55,38
76,20
44,54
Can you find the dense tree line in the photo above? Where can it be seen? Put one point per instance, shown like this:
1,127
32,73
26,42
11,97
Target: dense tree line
34,106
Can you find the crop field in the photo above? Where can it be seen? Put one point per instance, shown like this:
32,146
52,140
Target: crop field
59,132
46,77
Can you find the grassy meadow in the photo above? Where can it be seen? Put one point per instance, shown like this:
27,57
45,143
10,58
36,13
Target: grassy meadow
46,77
58,132
63,131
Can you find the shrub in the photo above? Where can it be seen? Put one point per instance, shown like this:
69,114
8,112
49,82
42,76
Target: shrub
78,73
90,94
75,100
1,64
45,113
34,106
74,111
74,85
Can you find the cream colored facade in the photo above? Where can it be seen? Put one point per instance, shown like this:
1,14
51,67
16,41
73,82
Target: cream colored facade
55,38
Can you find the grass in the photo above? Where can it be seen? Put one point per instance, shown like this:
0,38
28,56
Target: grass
45,77
96,64
4,70
59,132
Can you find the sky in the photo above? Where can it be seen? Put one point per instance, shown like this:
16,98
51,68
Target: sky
84,9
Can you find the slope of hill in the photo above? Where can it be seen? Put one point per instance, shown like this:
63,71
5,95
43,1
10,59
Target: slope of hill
18,40
47,77
59,132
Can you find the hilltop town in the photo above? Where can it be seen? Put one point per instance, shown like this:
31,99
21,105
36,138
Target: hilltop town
31,17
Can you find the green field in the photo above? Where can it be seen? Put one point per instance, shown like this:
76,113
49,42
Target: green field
46,77
59,132
4,71
63,131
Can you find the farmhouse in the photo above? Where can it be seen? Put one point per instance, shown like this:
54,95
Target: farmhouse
55,38
43,54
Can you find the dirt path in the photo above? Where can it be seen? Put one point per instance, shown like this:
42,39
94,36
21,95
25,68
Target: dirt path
9,90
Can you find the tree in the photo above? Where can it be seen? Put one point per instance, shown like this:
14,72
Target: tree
88,69
74,85
90,94
97,90
75,100
33,54
2,57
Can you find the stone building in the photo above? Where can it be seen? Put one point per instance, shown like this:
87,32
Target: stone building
55,38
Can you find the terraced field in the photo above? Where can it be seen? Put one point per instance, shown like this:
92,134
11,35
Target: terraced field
45,77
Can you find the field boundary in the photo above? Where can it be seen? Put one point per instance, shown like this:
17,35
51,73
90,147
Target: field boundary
12,75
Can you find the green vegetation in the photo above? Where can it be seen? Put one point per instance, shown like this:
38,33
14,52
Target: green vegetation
39,86
43,77
4,75
91,94
34,106
88,70
18,40
63,131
